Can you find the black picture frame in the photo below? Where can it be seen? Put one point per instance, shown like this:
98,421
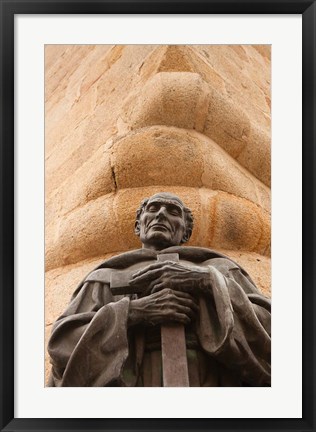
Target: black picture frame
8,9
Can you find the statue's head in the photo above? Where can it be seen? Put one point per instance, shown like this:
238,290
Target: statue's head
163,221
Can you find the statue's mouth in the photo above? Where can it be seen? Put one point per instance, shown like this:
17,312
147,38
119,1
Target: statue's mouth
159,226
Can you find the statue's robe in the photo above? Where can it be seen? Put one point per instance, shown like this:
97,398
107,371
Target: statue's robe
228,345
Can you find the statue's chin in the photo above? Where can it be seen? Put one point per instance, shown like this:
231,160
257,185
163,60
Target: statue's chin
158,240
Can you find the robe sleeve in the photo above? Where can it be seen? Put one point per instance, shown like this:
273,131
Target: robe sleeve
234,326
89,344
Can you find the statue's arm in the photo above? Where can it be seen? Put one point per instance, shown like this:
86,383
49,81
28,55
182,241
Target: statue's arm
234,324
88,344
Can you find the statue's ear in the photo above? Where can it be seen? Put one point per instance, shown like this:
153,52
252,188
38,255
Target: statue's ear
137,228
186,236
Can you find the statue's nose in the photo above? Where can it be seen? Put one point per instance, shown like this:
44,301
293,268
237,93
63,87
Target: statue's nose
161,212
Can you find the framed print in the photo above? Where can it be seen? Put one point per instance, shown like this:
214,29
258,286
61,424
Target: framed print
198,119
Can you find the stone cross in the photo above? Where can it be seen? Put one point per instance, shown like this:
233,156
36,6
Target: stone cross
173,345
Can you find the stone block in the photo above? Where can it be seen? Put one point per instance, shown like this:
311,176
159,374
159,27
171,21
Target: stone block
88,231
237,224
158,155
90,181
180,157
184,100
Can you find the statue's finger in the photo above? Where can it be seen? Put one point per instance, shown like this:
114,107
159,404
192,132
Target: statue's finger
158,287
179,293
145,270
156,265
182,318
192,304
147,277
187,311
186,299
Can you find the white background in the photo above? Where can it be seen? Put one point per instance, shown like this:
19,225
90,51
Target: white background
283,399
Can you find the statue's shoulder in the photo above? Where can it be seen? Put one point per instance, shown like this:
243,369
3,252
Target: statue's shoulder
224,265
206,257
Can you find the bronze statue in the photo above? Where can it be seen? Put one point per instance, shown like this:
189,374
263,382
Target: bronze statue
164,315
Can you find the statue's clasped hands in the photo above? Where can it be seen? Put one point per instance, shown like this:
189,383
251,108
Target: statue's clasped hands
169,293
173,275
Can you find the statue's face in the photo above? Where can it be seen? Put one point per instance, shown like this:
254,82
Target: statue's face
162,223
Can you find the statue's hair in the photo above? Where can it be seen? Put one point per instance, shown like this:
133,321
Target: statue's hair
188,216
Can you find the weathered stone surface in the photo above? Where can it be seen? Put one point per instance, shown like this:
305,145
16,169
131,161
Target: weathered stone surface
86,87
167,153
84,91
158,155
90,181
184,100
240,72
236,224
88,231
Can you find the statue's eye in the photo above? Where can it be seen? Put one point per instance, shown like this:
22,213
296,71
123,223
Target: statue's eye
152,208
175,211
